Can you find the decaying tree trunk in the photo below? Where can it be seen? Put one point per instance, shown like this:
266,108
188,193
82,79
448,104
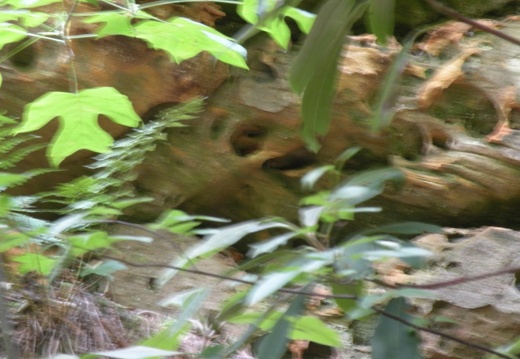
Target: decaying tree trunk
454,135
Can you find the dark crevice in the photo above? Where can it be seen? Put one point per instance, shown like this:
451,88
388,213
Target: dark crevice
297,159
247,140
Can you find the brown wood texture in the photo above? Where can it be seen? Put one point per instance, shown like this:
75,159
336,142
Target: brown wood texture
455,132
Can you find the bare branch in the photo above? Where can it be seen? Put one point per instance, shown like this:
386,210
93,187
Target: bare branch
444,10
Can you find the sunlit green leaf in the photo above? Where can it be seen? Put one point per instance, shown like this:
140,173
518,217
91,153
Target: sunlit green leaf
114,23
353,288
222,238
346,155
271,282
313,73
23,4
274,344
169,337
10,33
250,9
180,299
310,178
182,39
270,245
11,179
78,115
303,18
393,339
104,268
39,263
384,109
310,216
313,329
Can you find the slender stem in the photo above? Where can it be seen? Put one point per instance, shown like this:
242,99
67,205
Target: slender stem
74,87
444,10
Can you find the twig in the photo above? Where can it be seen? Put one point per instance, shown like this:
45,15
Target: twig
224,277
444,10
314,294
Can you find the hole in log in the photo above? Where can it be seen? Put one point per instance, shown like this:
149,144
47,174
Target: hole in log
247,140
514,119
23,59
517,281
467,105
297,159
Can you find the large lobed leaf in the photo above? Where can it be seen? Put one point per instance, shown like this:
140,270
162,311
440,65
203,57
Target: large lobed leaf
78,115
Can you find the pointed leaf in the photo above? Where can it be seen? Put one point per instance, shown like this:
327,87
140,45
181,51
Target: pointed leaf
114,23
313,73
304,19
313,329
223,238
10,33
393,339
354,288
381,16
270,245
310,178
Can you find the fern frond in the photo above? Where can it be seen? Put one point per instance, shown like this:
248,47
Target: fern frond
116,169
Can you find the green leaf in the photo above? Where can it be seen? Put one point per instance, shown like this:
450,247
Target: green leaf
381,16
105,268
310,178
346,155
78,115
10,33
23,4
182,39
313,329
181,299
313,73
351,288
34,262
250,9
270,245
278,30
115,23
276,280
274,345
33,18
303,18
223,238
393,339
